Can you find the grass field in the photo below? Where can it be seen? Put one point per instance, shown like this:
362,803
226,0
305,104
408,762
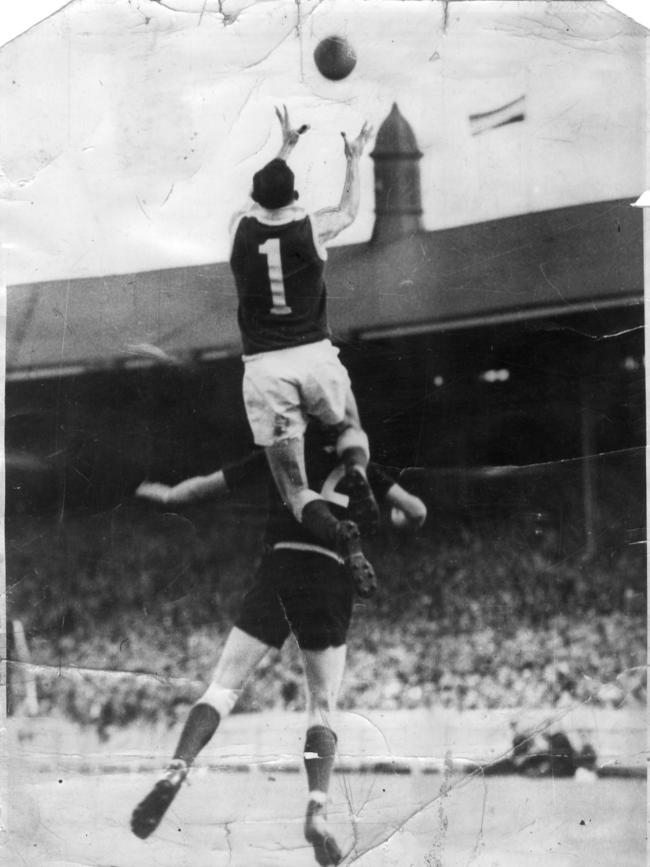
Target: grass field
254,819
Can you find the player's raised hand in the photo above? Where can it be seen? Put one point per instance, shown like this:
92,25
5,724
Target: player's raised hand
356,147
407,521
154,491
408,512
290,136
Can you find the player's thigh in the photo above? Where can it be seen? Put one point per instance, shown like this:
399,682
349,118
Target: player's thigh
273,400
316,595
261,615
327,389
351,418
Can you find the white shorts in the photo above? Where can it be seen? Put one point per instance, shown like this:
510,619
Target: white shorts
284,387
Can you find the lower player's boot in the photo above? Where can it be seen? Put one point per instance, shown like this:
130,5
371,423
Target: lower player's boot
362,508
317,833
147,815
348,539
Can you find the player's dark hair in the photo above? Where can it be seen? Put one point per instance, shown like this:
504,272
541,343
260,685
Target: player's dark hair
273,185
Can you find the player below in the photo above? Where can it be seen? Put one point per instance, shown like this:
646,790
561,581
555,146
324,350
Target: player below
292,370
301,588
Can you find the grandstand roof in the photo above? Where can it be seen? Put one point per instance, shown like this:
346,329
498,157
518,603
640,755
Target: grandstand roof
561,261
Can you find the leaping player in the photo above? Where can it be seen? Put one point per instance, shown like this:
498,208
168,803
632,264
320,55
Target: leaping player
301,587
292,370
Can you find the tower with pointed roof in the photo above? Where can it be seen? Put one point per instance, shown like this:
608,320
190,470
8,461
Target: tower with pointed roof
398,200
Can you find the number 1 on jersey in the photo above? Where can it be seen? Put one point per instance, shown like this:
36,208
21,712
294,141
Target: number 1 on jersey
271,249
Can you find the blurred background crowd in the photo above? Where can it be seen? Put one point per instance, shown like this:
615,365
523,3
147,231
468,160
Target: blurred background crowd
125,612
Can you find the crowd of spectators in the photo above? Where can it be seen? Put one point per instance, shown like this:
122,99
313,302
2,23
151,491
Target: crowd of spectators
126,612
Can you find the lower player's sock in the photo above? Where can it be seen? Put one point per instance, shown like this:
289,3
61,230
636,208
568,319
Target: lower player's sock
355,457
320,749
318,519
199,727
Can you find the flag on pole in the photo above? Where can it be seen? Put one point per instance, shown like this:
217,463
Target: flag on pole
511,112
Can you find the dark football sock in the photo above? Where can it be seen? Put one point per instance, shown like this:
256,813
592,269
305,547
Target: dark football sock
354,456
318,519
199,727
320,749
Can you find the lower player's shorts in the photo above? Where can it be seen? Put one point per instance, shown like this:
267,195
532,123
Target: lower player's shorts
284,387
299,592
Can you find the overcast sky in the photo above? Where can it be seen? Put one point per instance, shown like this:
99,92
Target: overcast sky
131,130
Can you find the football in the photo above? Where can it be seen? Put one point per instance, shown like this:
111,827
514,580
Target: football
335,58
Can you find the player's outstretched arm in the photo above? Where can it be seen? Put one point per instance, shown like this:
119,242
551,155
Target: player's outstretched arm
290,136
213,486
187,491
331,221
408,511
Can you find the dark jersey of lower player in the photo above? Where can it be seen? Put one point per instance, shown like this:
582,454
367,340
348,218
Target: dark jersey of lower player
279,278
324,473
